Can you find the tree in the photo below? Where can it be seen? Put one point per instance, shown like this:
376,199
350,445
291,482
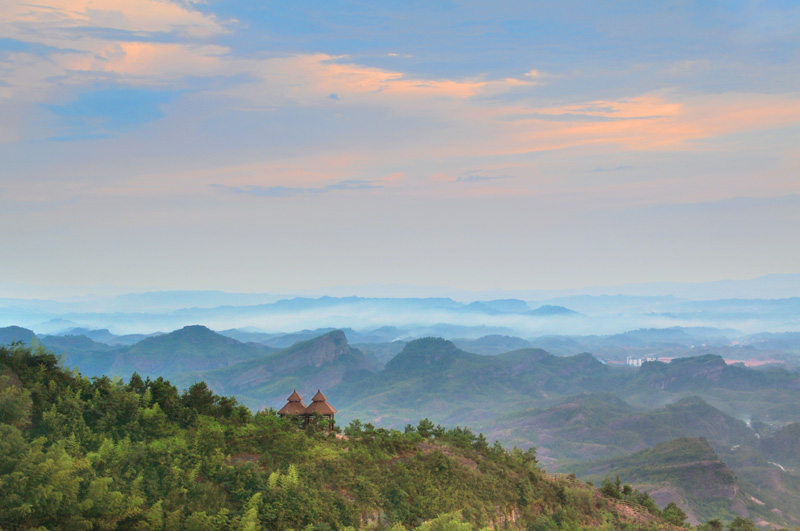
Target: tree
610,489
15,403
712,525
250,520
200,398
425,428
674,514
742,524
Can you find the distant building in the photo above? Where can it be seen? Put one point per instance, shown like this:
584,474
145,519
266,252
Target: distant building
296,408
637,362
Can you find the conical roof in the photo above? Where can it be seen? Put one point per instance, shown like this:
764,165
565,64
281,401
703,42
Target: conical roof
319,397
319,404
294,405
295,397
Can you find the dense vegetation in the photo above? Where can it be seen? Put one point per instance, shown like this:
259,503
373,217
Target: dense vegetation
80,453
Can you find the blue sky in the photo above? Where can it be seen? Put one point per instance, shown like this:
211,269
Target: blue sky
279,146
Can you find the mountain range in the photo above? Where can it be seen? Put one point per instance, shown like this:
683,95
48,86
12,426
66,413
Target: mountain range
417,317
573,408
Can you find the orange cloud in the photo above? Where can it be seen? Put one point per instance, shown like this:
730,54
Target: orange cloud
141,16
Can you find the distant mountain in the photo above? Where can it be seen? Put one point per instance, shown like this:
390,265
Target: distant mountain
560,345
171,355
689,472
786,341
379,335
465,331
507,305
432,377
92,357
667,337
104,336
249,336
426,355
318,363
600,425
55,326
702,371
283,340
492,344
382,352
686,471
549,310
669,342
11,334
783,446
160,301
497,307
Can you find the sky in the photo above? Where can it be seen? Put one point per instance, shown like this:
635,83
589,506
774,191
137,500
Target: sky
288,146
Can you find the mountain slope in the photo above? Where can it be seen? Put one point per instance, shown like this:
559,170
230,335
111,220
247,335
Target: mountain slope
492,344
600,425
688,472
318,363
685,471
189,349
783,446
549,310
10,334
92,357
104,336
432,377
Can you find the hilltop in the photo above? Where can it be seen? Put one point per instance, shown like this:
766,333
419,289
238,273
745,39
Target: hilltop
10,334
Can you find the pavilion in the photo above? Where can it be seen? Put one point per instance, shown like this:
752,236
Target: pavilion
296,408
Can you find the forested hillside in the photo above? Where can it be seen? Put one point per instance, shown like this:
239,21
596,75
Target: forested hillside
77,453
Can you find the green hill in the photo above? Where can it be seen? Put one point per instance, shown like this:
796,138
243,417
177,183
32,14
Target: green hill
599,425
432,377
686,471
319,363
92,357
77,453
10,334
770,394
783,446
191,348
694,372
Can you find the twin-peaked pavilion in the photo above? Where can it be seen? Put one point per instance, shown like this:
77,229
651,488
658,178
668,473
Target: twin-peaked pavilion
296,408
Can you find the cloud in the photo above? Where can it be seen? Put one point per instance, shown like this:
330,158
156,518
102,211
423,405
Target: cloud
572,117
288,191
615,168
80,42
477,178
